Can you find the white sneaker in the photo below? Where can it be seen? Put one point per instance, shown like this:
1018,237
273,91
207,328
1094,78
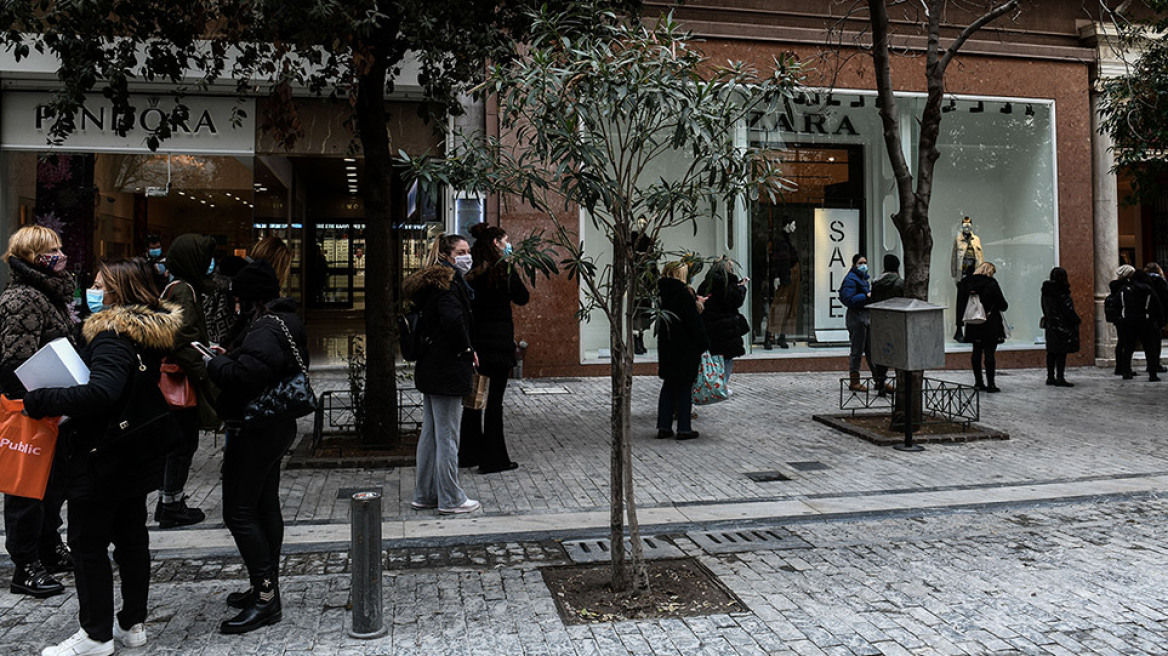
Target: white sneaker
470,505
79,644
135,636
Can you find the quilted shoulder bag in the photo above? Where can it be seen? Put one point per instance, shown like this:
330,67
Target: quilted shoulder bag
290,398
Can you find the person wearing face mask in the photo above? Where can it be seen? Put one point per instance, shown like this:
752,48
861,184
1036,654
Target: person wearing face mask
190,261
443,373
35,309
497,285
157,261
263,354
855,292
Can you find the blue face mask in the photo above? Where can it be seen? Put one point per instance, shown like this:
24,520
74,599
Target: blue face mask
507,250
211,269
95,299
863,268
155,252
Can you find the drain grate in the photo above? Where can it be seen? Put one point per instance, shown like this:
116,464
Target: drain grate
347,492
747,540
545,390
597,550
767,476
809,465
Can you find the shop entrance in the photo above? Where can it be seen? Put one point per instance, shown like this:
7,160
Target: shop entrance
798,244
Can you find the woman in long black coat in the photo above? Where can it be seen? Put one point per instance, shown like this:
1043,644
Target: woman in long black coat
496,285
724,292
985,337
263,354
115,442
681,340
1061,323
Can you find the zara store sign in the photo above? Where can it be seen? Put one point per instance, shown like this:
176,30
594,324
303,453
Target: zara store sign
209,129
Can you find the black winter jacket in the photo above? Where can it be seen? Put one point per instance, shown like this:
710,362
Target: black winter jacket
187,260
447,357
117,337
35,309
259,358
721,318
1160,289
992,300
494,327
1059,318
1141,308
681,336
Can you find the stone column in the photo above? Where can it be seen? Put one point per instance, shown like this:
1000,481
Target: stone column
1106,230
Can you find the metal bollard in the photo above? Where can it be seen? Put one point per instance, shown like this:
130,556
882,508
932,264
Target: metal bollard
365,559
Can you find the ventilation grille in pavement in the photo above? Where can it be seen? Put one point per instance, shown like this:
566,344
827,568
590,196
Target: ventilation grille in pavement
747,540
809,465
767,476
545,390
596,550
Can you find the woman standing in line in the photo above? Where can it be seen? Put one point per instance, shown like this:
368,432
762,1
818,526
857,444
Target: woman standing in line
496,286
681,340
725,292
985,336
1061,323
127,335
272,347
443,372
35,309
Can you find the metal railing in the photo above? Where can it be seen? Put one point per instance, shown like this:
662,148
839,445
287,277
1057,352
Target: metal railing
335,413
942,400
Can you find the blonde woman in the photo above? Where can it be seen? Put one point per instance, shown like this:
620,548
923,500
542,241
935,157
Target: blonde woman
681,340
986,336
35,309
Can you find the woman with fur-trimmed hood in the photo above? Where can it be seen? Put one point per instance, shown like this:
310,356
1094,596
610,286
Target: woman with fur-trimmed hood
118,431
444,372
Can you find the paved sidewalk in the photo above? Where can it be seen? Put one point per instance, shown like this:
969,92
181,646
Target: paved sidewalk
1047,543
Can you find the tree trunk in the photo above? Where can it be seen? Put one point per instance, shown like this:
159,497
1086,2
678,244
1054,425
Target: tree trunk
381,427
621,385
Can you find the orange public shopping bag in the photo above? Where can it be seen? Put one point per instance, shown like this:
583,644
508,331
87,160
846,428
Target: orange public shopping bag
26,450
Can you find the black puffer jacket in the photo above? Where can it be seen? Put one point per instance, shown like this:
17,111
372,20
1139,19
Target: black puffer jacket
1140,306
447,358
259,358
35,309
1060,318
117,337
724,324
992,300
681,336
494,327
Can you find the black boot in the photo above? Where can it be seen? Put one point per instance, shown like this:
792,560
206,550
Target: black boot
766,342
32,579
59,560
241,598
639,344
170,515
977,381
783,341
261,610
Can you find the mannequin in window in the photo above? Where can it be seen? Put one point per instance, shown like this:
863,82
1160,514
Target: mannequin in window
967,256
786,285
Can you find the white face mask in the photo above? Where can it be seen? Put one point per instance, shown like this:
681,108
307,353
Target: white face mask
463,263
789,228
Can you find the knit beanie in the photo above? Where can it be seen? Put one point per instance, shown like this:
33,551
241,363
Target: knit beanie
1125,271
256,281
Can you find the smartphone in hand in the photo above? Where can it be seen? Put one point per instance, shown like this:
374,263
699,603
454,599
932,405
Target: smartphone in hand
203,349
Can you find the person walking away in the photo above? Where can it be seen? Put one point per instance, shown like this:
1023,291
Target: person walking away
35,309
724,324
1159,286
118,424
855,292
496,285
888,285
272,347
443,371
1061,325
681,340
986,336
1151,328
190,260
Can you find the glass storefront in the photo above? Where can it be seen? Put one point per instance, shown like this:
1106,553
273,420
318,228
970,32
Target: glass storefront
997,167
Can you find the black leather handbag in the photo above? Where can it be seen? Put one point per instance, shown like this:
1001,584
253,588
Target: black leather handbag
290,398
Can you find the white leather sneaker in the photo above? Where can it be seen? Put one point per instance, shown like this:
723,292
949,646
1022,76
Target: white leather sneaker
79,644
135,636
470,505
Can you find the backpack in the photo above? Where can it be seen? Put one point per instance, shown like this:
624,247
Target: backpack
1113,307
974,311
409,336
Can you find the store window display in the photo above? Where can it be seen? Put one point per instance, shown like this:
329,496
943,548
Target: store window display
785,285
967,257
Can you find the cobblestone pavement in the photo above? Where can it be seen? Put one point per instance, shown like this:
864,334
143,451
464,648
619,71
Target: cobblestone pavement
1054,578
999,574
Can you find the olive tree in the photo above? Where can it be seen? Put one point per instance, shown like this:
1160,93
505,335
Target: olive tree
589,124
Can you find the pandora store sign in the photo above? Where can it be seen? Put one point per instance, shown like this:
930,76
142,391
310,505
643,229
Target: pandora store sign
25,123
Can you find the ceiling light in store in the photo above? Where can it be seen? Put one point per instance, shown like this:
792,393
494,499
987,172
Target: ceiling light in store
182,193
202,201
211,205
350,159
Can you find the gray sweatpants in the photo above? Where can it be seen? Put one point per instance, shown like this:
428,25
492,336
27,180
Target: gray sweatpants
437,480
